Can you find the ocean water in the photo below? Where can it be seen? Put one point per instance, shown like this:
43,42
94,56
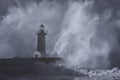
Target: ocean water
43,71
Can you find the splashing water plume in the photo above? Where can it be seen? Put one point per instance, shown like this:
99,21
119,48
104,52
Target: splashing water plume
77,40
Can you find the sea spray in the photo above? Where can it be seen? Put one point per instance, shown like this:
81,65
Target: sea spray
19,27
78,43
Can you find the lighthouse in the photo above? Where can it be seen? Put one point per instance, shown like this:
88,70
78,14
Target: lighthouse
41,41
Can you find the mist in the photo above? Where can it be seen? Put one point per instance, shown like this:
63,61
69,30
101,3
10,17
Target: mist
79,42
77,31
20,26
